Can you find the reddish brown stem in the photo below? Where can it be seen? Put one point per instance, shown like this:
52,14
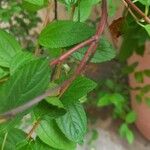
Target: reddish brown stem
89,41
134,7
92,49
103,21
71,51
86,57
79,69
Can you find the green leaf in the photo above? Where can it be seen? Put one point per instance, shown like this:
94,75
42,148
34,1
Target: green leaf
83,99
55,102
85,7
117,99
147,100
34,5
13,137
9,47
70,2
25,145
79,88
40,145
147,73
10,124
104,100
145,2
54,53
52,108
147,28
105,52
110,84
34,145
131,117
130,137
139,76
139,98
126,133
19,60
145,89
129,68
74,123
25,84
131,41
45,110
64,33
50,134
3,73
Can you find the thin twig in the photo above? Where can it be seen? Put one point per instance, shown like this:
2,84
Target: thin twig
129,9
57,72
58,66
4,141
46,21
86,57
79,13
73,8
134,7
33,128
55,10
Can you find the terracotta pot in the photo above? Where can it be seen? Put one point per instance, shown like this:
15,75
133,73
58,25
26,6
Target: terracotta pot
142,109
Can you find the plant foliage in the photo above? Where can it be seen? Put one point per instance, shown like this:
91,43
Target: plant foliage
46,94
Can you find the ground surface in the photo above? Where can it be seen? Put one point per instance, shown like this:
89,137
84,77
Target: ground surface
109,138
